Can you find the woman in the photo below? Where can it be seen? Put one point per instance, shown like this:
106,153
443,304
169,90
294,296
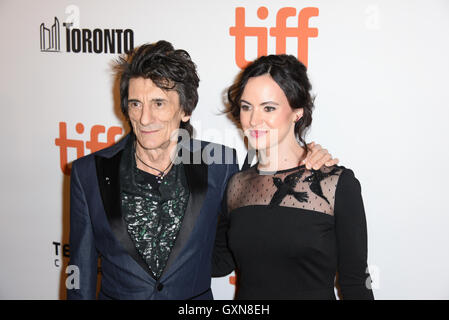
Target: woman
287,230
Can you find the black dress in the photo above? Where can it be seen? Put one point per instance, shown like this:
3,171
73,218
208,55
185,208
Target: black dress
289,233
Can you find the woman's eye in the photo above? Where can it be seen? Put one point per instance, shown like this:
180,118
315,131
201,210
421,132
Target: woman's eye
269,109
244,107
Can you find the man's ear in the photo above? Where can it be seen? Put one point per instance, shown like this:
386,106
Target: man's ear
185,117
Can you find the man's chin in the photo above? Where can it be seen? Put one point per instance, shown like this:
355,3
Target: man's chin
152,145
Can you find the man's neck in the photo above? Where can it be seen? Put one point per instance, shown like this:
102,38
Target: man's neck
159,158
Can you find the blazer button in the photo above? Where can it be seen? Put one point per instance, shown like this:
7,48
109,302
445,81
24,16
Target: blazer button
160,286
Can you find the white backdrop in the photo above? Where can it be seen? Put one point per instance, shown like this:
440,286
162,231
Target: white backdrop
379,70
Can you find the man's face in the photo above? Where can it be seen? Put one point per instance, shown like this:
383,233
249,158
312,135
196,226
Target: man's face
154,113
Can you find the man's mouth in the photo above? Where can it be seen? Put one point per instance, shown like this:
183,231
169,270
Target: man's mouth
148,131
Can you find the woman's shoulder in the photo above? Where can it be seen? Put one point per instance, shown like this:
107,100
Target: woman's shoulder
327,175
334,178
335,170
242,175
347,179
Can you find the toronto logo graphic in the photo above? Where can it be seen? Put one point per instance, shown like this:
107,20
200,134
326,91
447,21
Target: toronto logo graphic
84,40
50,40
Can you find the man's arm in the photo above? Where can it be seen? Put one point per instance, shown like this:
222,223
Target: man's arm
83,254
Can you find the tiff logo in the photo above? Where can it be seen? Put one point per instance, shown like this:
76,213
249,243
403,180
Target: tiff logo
93,144
50,41
281,32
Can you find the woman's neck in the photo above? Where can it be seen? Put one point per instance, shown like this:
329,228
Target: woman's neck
281,157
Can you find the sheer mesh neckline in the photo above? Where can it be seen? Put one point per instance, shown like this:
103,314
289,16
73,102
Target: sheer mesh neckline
296,187
266,172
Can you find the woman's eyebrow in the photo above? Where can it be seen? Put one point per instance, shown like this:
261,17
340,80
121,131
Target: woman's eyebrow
262,104
269,102
244,101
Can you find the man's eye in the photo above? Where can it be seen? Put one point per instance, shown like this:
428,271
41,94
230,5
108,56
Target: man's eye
134,104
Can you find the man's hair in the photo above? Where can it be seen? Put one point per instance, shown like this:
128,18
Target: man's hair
168,68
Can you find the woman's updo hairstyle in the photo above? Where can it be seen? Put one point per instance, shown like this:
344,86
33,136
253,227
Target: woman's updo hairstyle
291,75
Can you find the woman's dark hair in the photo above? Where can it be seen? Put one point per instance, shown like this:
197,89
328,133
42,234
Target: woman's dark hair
290,74
168,68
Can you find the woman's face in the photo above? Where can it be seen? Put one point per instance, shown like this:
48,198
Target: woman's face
265,114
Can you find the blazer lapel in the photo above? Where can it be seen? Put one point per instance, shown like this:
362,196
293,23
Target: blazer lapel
196,176
109,183
108,176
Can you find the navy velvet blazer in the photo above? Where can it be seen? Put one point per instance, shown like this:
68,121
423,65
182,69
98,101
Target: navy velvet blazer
97,228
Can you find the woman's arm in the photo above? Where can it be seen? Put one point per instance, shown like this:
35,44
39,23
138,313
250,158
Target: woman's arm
350,222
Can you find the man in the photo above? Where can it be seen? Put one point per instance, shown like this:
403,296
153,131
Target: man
149,204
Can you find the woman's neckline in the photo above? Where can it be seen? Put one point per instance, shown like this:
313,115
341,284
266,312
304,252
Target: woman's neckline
266,172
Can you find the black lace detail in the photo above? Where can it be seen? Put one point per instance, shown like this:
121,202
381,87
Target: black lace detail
286,187
315,178
299,187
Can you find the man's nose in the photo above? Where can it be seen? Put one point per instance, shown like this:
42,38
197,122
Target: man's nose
147,116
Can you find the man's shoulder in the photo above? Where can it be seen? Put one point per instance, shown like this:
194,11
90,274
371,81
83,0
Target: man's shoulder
105,153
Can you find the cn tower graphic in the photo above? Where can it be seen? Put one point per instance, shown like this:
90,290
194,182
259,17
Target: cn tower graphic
50,37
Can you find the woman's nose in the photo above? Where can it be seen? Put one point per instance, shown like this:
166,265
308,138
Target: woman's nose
255,118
